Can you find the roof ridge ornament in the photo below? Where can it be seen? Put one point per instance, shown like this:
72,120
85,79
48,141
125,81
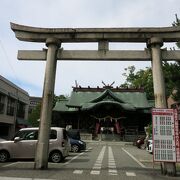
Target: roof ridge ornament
107,86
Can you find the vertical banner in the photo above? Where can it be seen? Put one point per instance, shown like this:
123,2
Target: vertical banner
117,125
97,128
164,140
177,134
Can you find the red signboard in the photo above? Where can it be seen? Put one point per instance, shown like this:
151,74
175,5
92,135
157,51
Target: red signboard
177,135
166,138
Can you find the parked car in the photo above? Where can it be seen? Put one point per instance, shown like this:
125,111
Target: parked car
1,139
77,145
23,145
75,140
74,134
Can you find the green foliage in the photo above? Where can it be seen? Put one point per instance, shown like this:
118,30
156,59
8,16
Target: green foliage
34,116
172,78
57,98
143,78
177,23
150,129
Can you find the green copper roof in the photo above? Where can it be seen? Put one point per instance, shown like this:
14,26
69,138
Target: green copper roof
88,100
88,106
137,99
61,105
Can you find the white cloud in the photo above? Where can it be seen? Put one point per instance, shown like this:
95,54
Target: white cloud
75,13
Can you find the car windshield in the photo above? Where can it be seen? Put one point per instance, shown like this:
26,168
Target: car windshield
27,135
33,135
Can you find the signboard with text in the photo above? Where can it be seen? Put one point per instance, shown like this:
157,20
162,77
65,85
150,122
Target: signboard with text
177,134
166,142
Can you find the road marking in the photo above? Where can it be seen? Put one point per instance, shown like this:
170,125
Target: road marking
111,163
130,174
98,163
112,172
16,178
77,171
11,164
112,167
87,150
142,165
95,172
146,160
90,148
75,157
97,167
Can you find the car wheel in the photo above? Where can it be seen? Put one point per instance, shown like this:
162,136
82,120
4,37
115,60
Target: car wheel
4,156
75,148
56,157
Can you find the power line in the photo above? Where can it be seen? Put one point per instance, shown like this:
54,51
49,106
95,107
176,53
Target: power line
9,62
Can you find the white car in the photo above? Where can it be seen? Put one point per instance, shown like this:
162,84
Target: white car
23,145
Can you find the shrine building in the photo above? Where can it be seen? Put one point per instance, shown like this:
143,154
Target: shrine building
105,113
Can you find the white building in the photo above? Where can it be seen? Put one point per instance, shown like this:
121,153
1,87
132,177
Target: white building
14,103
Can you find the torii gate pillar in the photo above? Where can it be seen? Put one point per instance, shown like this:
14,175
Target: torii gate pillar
157,72
155,44
41,158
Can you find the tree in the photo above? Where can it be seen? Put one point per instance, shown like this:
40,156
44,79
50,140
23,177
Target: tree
177,77
141,78
177,23
34,117
60,97
172,79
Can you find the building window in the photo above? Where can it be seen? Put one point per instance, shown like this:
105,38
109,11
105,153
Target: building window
10,106
4,130
2,100
21,110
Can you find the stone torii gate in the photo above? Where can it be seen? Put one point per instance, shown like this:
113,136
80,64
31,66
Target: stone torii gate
54,37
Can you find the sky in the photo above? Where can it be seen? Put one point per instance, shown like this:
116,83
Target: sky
29,75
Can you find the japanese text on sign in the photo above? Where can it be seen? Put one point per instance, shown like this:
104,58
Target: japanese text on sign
166,135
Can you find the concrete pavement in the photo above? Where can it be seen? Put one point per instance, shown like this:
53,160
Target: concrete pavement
102,160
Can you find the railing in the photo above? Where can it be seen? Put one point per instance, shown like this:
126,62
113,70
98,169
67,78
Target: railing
86,136
131,134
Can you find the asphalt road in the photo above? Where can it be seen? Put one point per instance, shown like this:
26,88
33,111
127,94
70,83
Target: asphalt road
104,160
